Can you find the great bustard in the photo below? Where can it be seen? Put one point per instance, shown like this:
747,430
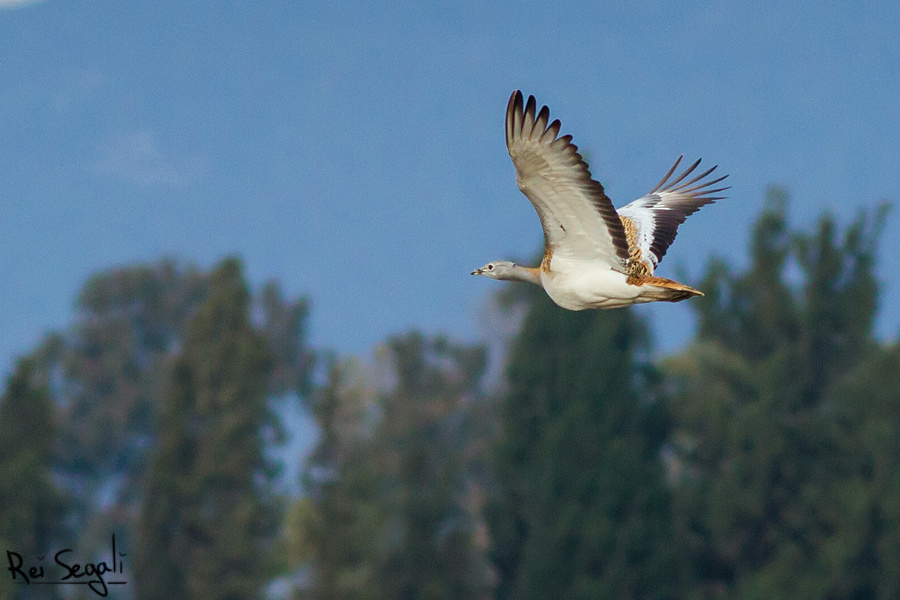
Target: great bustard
594,256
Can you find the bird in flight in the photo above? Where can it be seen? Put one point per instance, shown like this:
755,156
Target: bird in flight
594,255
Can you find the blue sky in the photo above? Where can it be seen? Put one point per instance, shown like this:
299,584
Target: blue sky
355,152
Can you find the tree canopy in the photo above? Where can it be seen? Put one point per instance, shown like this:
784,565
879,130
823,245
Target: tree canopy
761,460
770,439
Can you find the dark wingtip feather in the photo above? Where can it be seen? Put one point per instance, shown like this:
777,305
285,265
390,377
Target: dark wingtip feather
540,123
717,190
515,101
531,106
699,189
694,180
675,201
687,172
513,112
662,182
528,117
551,132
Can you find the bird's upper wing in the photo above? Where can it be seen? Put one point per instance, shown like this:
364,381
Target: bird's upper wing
655,217
578,218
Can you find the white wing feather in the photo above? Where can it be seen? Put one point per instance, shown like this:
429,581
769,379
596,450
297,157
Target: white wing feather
657,215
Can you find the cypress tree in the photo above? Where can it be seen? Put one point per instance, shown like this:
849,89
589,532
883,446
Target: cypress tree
106,370
421,449
31,506
768,447
343,525
581,509
394,480
208,514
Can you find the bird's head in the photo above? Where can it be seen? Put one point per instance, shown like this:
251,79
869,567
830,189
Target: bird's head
498,269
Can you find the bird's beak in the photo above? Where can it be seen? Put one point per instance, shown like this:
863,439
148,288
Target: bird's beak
477,272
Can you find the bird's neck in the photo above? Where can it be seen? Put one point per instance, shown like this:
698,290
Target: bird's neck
529,274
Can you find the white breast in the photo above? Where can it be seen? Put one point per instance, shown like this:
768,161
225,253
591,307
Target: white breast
580,285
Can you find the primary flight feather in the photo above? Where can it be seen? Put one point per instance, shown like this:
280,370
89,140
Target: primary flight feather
594,256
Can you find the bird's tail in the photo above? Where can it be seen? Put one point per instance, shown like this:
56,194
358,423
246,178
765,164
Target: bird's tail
667,290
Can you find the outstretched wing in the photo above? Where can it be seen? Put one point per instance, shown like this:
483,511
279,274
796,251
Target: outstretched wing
578,218
656,216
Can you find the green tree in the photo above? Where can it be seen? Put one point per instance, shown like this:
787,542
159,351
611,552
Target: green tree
765,473
106,372
581,509
861,554
421,452
396,478
284,327
342,527
209,513
31,505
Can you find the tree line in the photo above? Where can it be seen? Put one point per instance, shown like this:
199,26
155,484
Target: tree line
762,460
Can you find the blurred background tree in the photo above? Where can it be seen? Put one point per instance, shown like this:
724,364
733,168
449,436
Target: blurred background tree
209,512
772,494
581,509
337,529
104,373
107,375
429,488
762,460
396,480
32,506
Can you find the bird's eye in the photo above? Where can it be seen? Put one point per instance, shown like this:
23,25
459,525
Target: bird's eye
490,267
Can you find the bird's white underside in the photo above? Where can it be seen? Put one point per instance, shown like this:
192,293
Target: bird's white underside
579,285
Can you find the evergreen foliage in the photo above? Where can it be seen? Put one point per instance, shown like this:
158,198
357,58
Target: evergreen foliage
107,373
31,505
209,512
342,526
581,510
770,438
421,451
762,461
397,477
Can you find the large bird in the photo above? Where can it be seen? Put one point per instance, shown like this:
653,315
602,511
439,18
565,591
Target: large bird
594,256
